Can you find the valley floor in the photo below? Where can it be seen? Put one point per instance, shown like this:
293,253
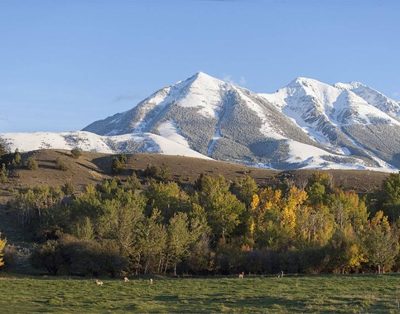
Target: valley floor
336,294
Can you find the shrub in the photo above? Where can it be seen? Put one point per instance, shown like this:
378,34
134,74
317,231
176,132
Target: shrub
61,165
68,188
78,257
31,163
47,256
76,152
3,174
17,158
151,171
118,164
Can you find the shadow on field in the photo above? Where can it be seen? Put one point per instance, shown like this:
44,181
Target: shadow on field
258,303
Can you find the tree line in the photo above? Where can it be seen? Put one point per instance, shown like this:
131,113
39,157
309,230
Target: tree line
153,225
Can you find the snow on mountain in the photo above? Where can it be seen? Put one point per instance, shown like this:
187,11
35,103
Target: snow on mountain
373,97
141,142
306,124
343,117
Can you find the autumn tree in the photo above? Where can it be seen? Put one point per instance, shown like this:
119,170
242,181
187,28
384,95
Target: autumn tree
346,251
2,247
244,189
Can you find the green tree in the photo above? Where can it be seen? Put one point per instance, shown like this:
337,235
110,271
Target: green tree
153,244
168,198
121,219
381,242
222,207
84,230
17,158
390,196
179,239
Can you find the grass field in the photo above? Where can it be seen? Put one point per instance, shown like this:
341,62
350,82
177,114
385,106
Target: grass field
339,294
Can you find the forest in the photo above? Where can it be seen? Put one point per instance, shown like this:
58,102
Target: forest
149,224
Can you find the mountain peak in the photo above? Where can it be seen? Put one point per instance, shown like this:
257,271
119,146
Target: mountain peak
202,76
303,82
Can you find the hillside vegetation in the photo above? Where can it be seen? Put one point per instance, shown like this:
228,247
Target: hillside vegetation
94,167
96,214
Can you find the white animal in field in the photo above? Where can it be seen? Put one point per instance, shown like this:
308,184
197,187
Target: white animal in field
99,282
241,275
151,281
126,279
280,275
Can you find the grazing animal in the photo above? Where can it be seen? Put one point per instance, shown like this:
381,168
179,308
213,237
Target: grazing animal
280,275
99,282
151,281
241,275
126,279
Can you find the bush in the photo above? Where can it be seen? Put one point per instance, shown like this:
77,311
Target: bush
17,158
61,165
118,164
78,257
68,188
76,152
47,256
31,163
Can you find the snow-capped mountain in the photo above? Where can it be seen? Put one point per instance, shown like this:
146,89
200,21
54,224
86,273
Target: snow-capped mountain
307,124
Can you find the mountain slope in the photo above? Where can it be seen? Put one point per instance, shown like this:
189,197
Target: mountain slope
342,120
225,122
306,124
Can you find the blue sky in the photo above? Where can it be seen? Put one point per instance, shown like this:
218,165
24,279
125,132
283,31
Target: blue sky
64,64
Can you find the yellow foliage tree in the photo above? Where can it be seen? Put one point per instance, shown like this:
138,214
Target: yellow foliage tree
2,246
294,200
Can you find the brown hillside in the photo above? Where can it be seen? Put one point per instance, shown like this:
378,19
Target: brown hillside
94,167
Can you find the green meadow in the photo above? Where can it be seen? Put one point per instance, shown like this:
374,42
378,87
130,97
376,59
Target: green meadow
335,294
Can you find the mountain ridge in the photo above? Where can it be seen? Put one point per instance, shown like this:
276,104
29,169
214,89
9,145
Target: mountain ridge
306,124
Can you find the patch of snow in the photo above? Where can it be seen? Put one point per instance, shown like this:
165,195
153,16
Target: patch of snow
169,130
168,147
88,141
